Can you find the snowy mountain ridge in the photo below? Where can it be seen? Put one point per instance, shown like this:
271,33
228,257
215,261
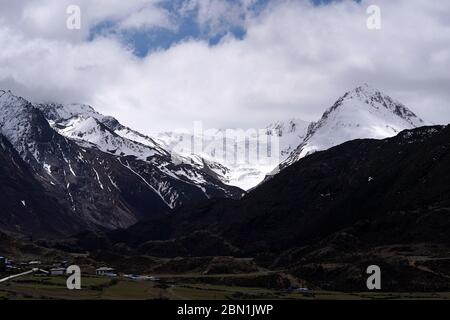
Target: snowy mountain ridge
89,128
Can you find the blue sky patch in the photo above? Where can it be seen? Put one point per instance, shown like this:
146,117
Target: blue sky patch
144,41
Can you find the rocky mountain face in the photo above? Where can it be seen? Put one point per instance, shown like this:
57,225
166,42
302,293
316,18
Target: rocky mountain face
89,163
27,206
363,113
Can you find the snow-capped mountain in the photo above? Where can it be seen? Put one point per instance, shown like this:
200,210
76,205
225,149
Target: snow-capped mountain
361,113
240,158
58,114
88,128
90,164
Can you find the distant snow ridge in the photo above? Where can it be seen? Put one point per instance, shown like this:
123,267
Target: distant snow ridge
363,113
239,158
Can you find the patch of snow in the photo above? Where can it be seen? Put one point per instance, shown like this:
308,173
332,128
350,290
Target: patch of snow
71,169
98,179
113,183
48,168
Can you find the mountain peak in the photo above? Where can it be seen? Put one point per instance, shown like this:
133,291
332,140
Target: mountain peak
373,100
362,113
366,93
365,89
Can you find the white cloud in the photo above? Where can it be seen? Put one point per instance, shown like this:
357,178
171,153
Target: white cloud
295,60
47,18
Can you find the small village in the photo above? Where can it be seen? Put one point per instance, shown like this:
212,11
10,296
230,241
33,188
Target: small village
10,269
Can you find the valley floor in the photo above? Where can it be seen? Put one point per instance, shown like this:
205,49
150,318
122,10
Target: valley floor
170,288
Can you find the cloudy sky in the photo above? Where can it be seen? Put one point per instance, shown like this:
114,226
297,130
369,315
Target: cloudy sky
160,64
